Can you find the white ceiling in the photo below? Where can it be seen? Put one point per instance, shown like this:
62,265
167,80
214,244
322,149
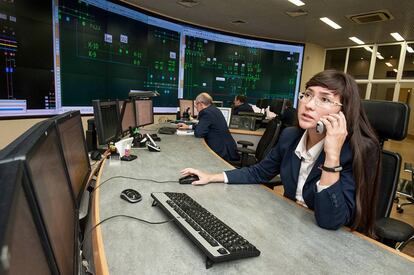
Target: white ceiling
268,18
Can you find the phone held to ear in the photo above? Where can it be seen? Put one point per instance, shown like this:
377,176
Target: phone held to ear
320,127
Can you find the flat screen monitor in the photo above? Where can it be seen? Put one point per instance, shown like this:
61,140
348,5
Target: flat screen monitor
24,248
195,110
226,113
127,111
186,104
144,112
74,150
50,184
107,120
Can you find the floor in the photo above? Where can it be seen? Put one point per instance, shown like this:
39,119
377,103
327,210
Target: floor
406,149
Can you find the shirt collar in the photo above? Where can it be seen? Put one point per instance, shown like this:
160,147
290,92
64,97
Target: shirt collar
312,153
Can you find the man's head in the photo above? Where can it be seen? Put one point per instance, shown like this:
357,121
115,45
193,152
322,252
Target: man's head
239,100
202,101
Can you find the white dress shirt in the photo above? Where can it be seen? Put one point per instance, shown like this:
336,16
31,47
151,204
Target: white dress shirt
308,158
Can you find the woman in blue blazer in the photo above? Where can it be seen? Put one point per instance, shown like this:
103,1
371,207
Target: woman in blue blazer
335,171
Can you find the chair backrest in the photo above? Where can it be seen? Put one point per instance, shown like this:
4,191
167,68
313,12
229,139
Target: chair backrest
390,121
269,138
390,172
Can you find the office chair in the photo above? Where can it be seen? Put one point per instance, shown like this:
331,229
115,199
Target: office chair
389,231
406,188
267,141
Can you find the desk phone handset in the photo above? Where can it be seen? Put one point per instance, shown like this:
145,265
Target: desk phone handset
320,127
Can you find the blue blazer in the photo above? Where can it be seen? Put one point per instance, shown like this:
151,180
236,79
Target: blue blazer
213,128
245,107
333,206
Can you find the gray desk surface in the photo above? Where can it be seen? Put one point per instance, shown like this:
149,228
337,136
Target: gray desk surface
286,234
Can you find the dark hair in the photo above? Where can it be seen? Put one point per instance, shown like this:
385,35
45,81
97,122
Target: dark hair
241,98
364,145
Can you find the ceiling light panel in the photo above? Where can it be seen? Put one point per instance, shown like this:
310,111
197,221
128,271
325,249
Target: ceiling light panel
329,22
397,36
388,64
357,40
297,2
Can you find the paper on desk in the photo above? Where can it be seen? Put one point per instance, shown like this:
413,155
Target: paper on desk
185,132
122,144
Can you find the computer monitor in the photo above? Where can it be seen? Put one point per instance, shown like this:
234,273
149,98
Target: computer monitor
127,111
49,183
186,104
195,114
107,120
74,150
144,112
24,247
226,113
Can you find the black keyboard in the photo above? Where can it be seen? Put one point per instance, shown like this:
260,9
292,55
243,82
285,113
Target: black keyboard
216,239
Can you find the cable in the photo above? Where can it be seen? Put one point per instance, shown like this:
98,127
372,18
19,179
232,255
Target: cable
130,178
117,216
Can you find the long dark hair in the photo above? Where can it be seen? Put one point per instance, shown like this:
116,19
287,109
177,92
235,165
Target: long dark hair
364,144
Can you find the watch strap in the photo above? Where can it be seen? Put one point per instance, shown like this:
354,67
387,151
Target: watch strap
331,169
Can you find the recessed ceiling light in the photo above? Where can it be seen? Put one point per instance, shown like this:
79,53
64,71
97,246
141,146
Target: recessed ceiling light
357,40
388,64
379,56
397,36
297,2
329,22
409,49
395,70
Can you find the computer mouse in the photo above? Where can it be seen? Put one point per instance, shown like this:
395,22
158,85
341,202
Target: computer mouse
188,179
131,195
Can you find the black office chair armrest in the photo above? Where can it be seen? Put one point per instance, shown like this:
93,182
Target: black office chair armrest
246,151
394,230
245,143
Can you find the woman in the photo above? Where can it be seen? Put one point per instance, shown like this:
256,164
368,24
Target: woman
336,172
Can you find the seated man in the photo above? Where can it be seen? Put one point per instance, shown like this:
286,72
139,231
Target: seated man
290,116
241,105
213,128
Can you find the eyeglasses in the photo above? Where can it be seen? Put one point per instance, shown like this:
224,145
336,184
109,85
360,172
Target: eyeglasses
323,101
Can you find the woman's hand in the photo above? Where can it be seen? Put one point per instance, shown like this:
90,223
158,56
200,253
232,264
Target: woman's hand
204,178
336,133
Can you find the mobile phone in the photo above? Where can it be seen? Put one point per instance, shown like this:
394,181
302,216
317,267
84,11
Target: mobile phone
320,127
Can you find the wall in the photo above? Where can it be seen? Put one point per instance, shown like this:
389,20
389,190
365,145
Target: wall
313,62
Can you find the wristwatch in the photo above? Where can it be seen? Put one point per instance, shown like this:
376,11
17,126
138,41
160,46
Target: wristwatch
331,169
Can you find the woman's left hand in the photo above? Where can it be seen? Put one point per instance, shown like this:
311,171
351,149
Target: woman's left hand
336,133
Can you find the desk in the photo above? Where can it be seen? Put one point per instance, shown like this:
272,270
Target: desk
252,136
286,234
